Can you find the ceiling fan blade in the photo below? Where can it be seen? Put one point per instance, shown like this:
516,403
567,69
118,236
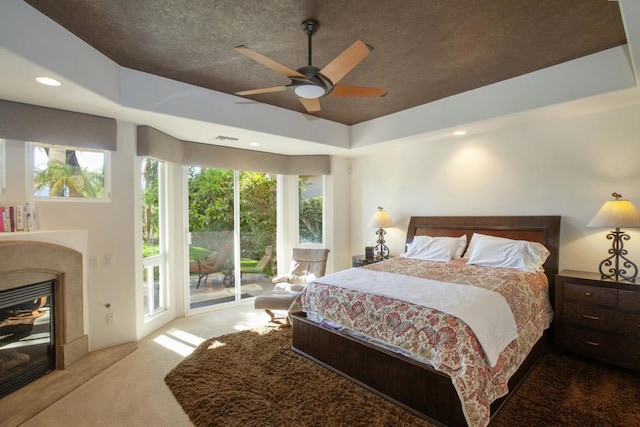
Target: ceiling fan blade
263,90
361,91
267,62
346,61
311,105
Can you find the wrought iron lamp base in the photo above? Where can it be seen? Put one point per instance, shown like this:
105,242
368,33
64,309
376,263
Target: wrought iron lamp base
381,250
618,267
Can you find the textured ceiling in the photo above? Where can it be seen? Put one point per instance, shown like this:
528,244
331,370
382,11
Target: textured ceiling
424,50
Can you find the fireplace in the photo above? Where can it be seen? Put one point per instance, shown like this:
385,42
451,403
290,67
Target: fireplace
27,335
61,270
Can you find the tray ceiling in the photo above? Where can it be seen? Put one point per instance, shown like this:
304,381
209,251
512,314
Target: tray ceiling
424,50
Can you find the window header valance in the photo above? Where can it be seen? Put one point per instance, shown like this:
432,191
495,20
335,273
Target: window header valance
33,123
153,143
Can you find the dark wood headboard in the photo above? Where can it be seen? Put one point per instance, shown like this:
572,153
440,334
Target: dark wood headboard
543,229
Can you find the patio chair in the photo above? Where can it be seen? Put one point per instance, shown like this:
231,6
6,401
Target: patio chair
216,262
262,264
257,269
306,265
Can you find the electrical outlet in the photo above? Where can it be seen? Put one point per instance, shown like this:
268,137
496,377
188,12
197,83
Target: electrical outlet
111,317
93,261
109,260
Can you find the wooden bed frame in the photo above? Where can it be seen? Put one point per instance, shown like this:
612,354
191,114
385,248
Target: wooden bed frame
415,386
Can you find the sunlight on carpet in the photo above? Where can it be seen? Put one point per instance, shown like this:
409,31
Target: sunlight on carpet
179,341
174,345
185,336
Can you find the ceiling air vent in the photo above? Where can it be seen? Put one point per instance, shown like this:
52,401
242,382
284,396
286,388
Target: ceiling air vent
226,138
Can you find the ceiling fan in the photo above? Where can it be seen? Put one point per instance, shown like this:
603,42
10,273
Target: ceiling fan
311,83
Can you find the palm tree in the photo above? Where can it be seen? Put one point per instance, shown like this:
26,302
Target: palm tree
69,179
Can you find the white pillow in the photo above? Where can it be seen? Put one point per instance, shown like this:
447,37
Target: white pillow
435,248
476,237
490,251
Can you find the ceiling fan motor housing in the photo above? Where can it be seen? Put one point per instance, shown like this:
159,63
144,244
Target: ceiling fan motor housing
314,78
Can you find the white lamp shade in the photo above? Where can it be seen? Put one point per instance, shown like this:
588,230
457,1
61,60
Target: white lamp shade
381,219
618,213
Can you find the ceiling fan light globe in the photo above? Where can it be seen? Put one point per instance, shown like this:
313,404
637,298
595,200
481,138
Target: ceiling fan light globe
309,91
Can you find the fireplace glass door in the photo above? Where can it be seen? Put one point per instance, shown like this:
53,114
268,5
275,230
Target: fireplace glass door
27,348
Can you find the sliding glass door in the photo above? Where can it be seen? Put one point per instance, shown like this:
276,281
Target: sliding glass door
232,218
211,226
257,232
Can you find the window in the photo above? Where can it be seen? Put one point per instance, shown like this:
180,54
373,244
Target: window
68,173
153,252
310,209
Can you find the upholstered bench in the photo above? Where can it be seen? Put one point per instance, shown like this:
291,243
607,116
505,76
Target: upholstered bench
275,300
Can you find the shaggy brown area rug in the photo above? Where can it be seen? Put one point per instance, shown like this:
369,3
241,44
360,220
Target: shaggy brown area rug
253,378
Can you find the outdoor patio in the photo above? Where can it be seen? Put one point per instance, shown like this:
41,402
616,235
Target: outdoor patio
213,291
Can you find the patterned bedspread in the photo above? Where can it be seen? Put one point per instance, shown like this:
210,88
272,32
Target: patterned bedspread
442,340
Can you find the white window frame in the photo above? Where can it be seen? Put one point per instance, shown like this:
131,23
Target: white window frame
160,260
322,243
30,146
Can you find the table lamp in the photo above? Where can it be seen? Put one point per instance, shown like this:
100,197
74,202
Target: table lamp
381,220
617,213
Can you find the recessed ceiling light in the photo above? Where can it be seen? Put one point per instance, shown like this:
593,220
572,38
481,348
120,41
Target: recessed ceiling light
48,81
254,144
460,132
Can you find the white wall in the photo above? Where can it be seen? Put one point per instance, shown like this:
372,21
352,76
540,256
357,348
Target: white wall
566,166
338,213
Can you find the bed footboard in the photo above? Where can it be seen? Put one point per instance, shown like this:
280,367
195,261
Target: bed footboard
414,386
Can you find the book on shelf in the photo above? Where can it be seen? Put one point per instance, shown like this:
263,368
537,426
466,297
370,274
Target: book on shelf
19,210
12,218
17,218
30,214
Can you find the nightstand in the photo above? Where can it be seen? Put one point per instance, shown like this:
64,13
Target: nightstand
598,318
360,260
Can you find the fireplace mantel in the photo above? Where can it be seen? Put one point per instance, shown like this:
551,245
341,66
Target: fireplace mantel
72,238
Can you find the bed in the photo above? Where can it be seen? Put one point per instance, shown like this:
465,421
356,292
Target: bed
405,378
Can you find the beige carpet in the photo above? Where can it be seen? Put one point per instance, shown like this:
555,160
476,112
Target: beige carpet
253,378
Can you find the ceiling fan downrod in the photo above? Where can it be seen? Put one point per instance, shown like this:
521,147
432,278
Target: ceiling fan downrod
310,26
